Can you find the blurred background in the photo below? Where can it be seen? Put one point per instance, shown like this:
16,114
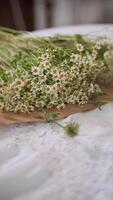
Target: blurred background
39,14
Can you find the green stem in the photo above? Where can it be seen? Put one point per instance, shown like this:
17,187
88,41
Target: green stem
101,101
11,31
59,124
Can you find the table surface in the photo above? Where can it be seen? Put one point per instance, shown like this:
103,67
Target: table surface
40,162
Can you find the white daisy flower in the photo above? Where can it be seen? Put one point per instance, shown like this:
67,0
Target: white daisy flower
74,57
98,45
79,47
94,54
35,70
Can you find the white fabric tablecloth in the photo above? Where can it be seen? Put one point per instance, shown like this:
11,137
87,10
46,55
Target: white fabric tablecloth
40,162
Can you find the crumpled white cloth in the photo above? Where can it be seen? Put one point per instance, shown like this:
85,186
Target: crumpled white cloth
40,162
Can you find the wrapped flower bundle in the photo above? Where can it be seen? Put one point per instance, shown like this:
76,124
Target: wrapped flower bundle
64,74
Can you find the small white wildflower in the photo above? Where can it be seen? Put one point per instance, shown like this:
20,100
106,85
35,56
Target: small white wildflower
31,108
108,54
72,99
45,56
56,74
61,106
85,60
44,64
94,54
17,84
42,78
97,89
35,70
98,45
62,74
39,104
74,57
79,47
91,88
84,99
